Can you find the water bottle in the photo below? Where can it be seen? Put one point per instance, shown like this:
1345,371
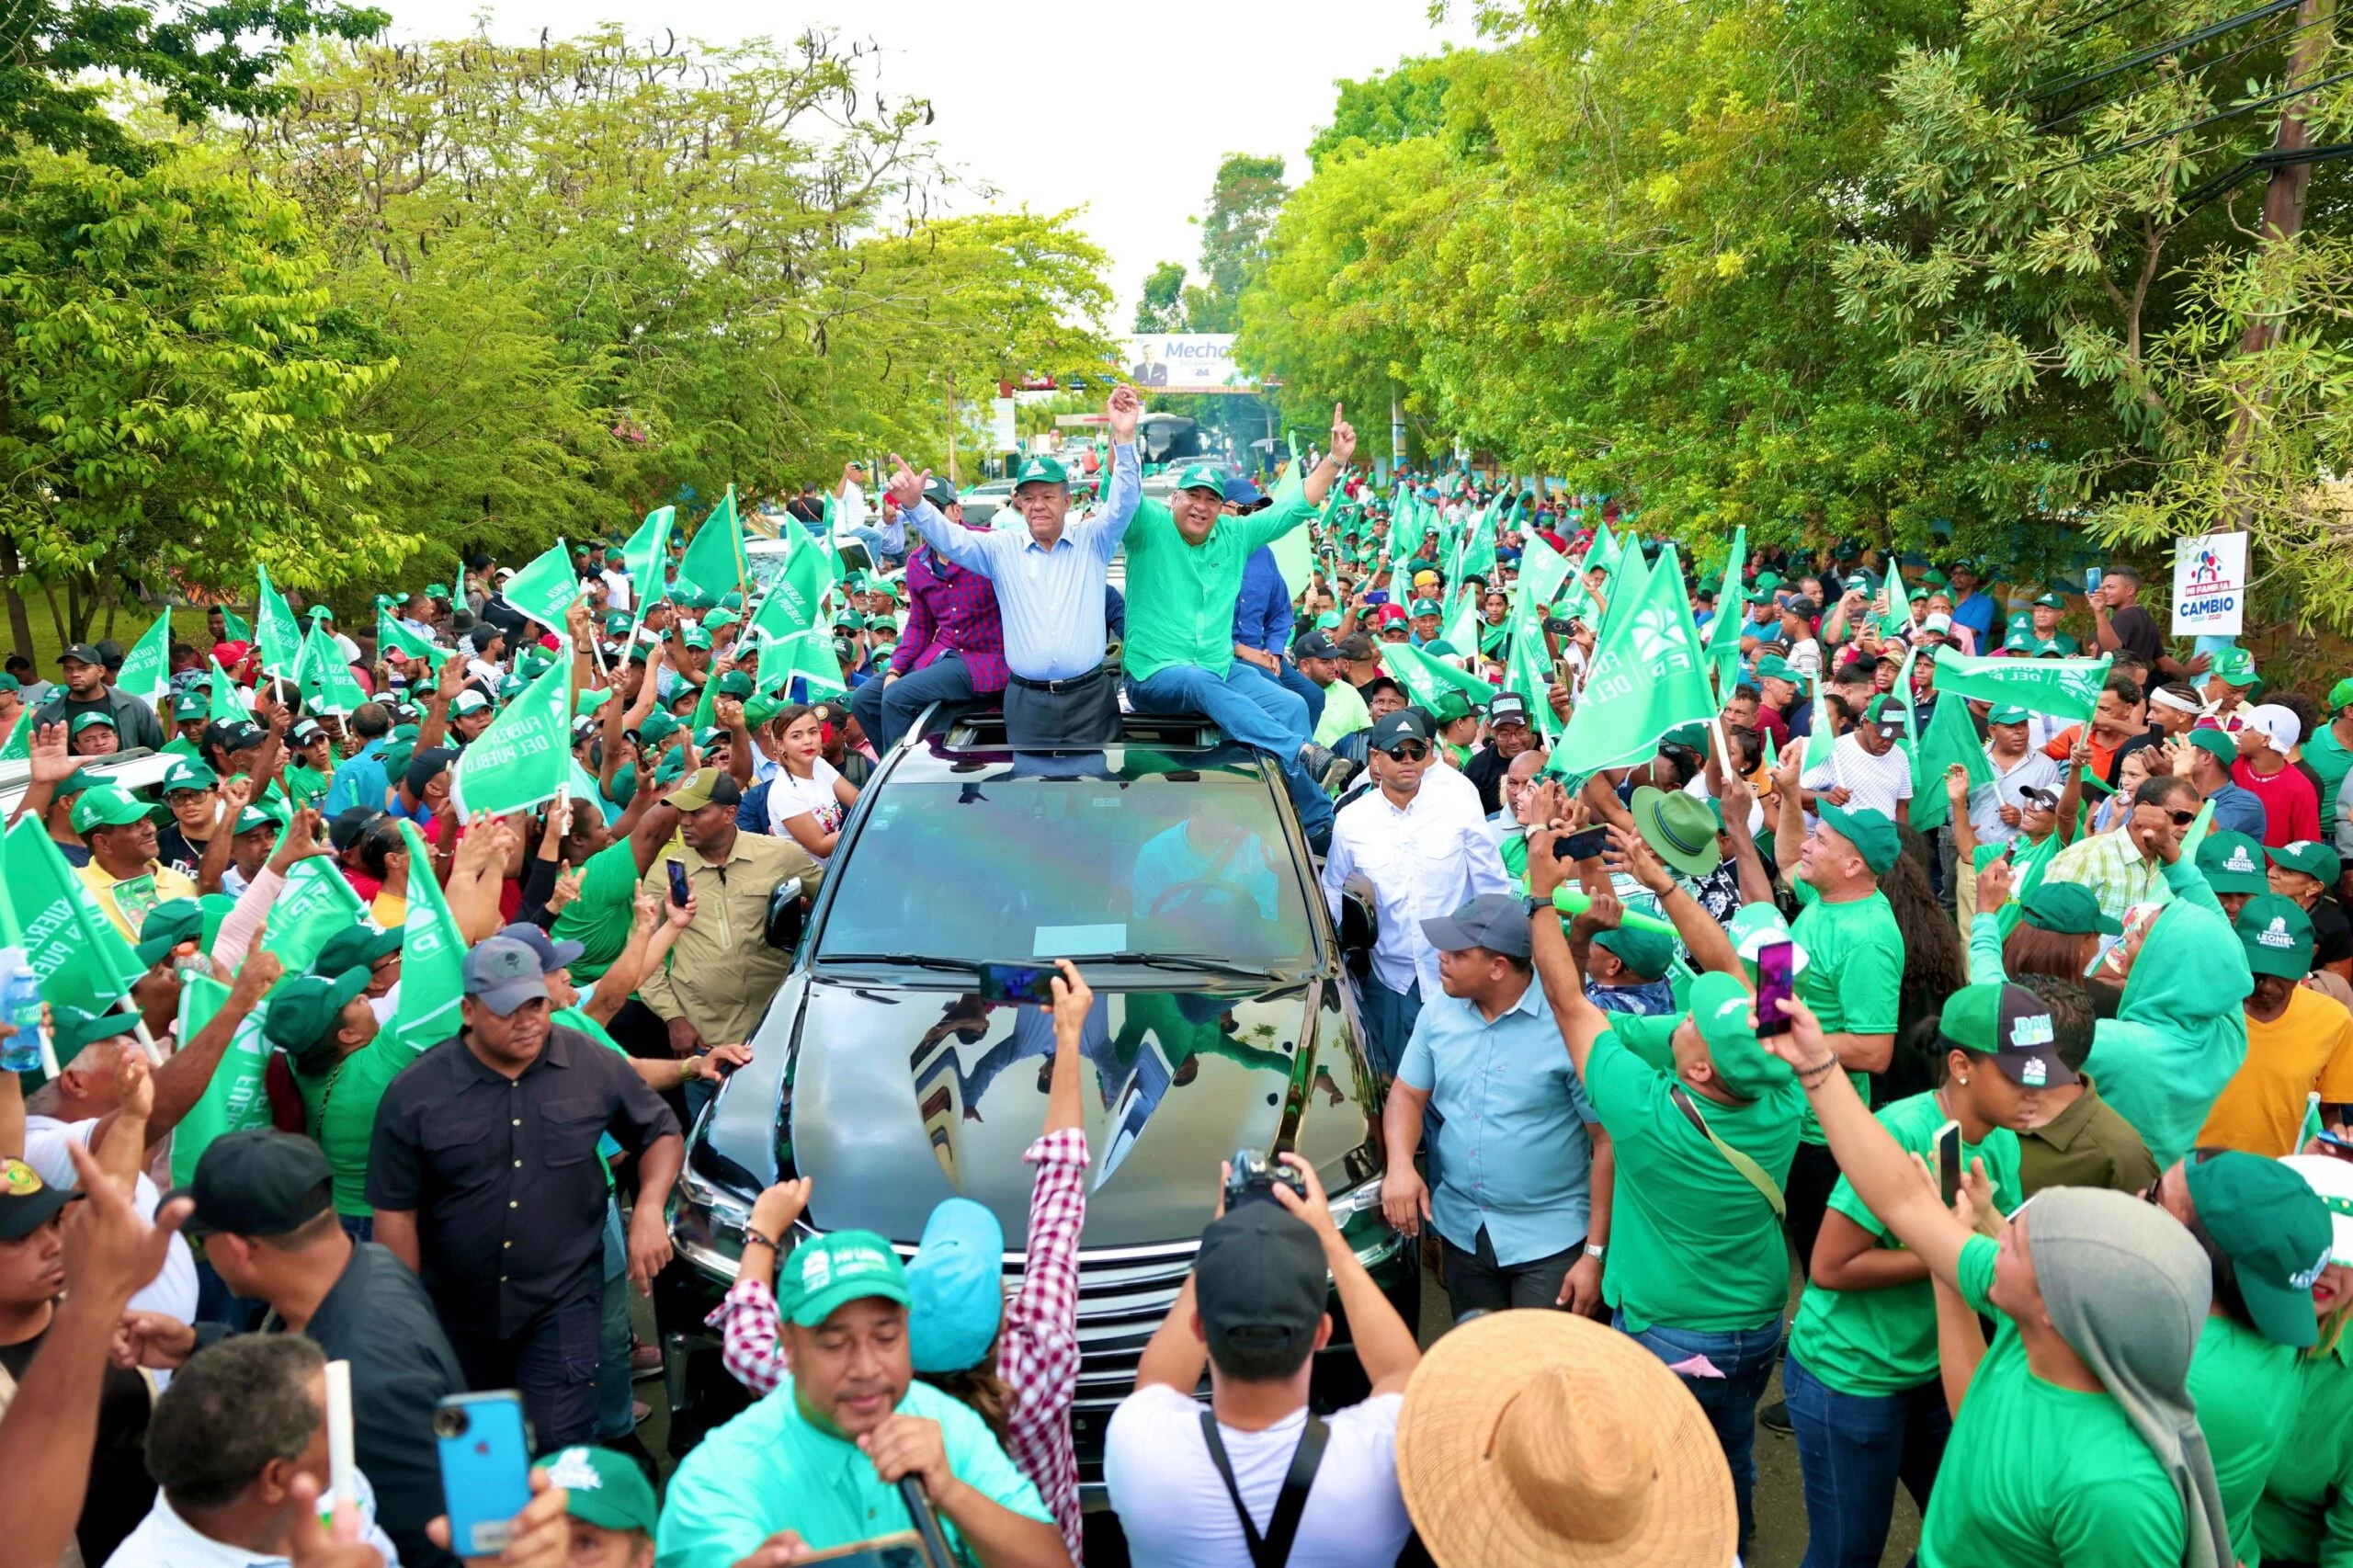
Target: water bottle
21,1006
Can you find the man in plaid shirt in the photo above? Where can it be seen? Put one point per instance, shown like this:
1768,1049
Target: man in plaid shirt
1037,1353
953,648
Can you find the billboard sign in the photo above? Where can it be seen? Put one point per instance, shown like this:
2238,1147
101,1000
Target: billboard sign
1185,363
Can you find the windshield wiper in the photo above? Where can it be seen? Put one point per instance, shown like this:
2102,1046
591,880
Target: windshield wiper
1201,963
914,961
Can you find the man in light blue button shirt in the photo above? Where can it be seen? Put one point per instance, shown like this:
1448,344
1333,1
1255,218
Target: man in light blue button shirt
1522,1165
1049,579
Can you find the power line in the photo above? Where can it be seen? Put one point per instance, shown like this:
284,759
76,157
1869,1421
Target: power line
2261,163
2139,142
2159,51
2270,41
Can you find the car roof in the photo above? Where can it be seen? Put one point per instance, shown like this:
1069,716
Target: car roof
1179,748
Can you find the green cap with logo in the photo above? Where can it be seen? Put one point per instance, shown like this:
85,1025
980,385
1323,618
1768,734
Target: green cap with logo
2232,862
1646,953
1754,926
108,805
1867,830
825,1272
2277,935
1723,1012
2309,856
188,774
2069,909
2006,713
1046,470
604,1488
1425,606
2234,666
170,923
2050,601
2010,1024
2275,1230
1201,476
303,1008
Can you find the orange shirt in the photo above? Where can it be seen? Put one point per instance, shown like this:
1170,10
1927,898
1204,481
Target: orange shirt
2308,1046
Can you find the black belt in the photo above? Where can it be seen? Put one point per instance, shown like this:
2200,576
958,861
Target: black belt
1058,687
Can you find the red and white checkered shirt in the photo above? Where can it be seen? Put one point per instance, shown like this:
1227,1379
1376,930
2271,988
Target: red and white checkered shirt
1037,1351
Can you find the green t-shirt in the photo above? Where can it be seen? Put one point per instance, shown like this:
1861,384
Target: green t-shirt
2306,1511
1514,850
1692,1242
1853,977
2247,1389
1875,1343
2325,756
183,748
342,1113
305,785
2037,1477
601,918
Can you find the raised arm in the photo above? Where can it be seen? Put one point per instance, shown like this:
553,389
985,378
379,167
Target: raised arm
1580,1021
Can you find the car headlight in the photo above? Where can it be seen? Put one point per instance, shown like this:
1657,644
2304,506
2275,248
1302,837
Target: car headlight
707,1224
1362,1225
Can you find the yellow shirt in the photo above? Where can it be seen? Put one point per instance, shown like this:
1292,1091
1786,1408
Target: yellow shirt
2308,1046
128,909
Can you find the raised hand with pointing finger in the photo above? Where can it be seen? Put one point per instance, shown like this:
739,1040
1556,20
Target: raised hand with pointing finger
906,486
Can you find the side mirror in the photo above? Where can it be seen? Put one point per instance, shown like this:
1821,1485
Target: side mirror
787,917
1360,922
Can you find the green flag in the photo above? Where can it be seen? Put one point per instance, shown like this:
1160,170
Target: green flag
317,902
229,704
1294,552
714,557
1631,576
1949,738
1428,679
1542,569
526,755
1896,618
280,633
546,588
235,625
391,634
328,682
1648,676
233,1099
433,957
1723,633
147,669
647,555
807,652
82,960
1528,672
1819,741
20,739
2062,688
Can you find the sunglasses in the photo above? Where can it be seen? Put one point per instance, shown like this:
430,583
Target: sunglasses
1410,751
2181,818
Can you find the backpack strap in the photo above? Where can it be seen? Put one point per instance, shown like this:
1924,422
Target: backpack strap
1282,1525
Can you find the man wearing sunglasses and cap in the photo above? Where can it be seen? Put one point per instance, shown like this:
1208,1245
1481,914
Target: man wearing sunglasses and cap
1425,851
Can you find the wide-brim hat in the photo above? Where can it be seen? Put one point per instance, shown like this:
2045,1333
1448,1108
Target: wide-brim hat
1542,1438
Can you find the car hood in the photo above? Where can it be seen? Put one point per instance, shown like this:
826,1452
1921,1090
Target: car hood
894,1098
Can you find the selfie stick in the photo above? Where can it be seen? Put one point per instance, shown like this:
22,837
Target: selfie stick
926,1523
1576,901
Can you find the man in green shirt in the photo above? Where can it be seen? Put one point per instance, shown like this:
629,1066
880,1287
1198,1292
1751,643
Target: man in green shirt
1697,1269
2329,751
1344,709
815,1465
312,772
191,712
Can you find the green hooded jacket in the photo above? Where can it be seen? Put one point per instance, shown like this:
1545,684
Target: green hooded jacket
2179,1032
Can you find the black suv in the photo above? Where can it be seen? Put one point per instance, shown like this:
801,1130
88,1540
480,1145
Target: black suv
1172,869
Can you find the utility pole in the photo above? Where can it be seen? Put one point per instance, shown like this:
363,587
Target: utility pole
952,415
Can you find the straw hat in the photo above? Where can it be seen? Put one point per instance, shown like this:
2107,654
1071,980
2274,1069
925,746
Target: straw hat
1545,1437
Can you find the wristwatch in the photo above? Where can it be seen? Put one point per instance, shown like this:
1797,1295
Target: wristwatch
1594,1250
1536,907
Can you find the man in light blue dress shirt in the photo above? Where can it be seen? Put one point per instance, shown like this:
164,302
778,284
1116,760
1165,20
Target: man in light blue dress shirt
1050,578
1522,1166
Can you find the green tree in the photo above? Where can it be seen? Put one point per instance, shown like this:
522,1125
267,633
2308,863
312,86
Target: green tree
1161,307
56,57
172,410
1413,100
1243,199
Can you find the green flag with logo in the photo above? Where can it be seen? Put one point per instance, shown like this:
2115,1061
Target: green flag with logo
433,957
234,1099
646,554
1542,569
328,685
714,559
524,757
20,739
1819,741
82,960
2062,688
229,704
1649,675
1428,679
317,902
147,669
281,635
545,589
1949,738
392,633
1529,673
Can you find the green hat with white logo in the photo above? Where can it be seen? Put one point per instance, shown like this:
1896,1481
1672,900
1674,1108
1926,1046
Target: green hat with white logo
2275,1230
108,805
1725,1013
2050,601
825,1272
2232,862
604,1488
1425,606
1202,476
2235,666
2008,714
2309,856
2010,1024
187,773
2277,935
1040,471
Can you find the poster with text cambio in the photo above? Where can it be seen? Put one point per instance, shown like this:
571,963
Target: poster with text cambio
2209,585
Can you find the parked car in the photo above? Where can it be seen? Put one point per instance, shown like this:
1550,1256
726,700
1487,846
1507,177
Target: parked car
1172,869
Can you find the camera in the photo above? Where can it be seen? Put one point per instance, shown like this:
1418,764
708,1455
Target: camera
451,1421
1254,1176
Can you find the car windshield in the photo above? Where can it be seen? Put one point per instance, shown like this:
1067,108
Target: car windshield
1005,869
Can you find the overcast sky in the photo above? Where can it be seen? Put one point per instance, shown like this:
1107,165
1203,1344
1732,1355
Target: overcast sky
1125,110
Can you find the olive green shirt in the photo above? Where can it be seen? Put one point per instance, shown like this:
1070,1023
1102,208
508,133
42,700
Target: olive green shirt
2088,1144
721,972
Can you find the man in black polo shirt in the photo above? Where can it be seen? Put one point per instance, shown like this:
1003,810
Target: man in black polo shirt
1509,734
264,1203
485,1178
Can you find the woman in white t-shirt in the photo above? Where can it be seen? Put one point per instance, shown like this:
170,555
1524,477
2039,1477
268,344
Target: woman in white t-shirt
807,798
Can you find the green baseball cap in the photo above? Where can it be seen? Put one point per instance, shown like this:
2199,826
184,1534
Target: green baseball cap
303,1008
1765,582
84,721
736,683
1772,666
355,946
2340,696
604,1488
105,805
71,1027
1935,578
2019,642
192,705
1647,953
2216,743
656,727
2068,908
2310,857
189,774
1201,476
1723,1012
2275,1230
882,623
2050,601
2234,665
2010,1024
2277,935
695,637
1753,926
2022,621
2009,713
825,1272
170,923
1044,471
1867,830
1450,706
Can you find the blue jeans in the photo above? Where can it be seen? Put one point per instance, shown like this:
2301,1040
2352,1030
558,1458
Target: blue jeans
885,714
613,1395
358,1227
1253,708
1852,1450
1388,1024
882,548
552,1363
1745,1357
